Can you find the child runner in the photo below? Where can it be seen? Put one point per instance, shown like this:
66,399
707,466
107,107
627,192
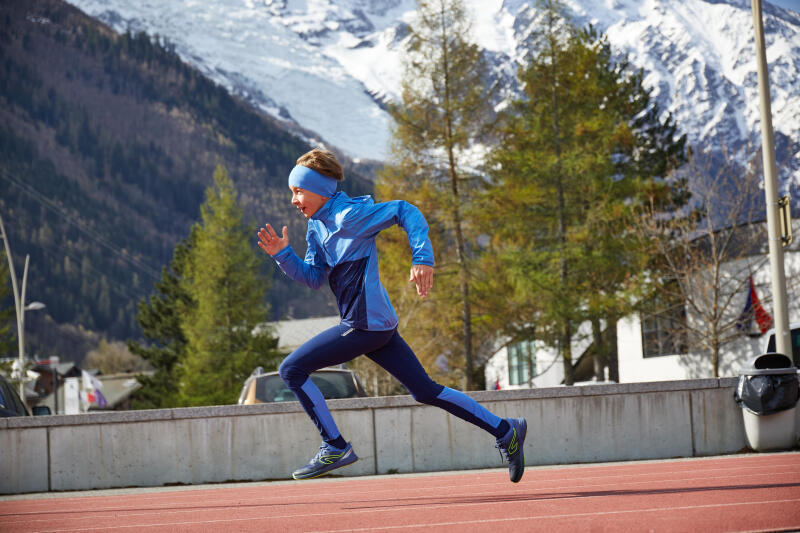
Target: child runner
341,248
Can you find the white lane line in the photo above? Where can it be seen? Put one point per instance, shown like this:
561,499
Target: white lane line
423,524
219,504
558,516
190,492
140,500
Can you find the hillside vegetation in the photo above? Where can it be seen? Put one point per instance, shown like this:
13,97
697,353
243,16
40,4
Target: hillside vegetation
107,143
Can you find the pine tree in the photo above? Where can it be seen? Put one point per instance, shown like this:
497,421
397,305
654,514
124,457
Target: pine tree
160,320
443,113
224,344
581,150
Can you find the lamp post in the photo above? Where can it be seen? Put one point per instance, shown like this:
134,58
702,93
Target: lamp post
783,338
20,308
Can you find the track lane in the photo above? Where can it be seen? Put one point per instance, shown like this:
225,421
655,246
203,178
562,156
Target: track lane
737,493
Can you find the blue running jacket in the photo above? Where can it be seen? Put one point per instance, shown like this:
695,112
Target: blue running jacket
341,248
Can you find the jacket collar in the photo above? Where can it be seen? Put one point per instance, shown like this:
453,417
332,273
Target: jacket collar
325,213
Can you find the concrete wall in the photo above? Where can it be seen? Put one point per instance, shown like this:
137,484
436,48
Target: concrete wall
214,444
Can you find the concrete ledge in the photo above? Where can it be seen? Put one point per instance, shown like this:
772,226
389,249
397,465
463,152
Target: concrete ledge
599,422
99,417
652,386
184,413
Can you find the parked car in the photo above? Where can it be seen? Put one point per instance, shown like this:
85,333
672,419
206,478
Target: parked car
266,387
795,329
11,405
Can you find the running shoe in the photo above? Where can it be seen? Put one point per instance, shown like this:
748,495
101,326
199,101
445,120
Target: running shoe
511,447
328,458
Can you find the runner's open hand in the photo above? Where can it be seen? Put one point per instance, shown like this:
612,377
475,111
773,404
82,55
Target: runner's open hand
270,242
423,276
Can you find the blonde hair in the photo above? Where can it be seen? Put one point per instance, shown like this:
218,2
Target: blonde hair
323,161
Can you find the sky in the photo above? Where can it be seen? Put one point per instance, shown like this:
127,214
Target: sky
794,5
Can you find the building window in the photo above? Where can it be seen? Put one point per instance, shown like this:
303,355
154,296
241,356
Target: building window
521,362
664,330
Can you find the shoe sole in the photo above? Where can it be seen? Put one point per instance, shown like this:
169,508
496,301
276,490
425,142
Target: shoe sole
348,459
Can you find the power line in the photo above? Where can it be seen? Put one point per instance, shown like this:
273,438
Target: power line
119,290
53,207
123,292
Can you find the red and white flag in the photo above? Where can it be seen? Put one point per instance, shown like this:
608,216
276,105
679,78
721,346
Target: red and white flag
754,309
92,388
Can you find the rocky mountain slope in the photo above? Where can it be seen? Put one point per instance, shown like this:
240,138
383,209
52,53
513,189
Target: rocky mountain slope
330,65
107,143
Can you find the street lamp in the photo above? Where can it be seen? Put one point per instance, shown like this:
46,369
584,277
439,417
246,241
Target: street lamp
35,306
780,304
19,306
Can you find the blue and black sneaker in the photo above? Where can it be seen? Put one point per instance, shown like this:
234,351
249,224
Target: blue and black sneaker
328,458
511,447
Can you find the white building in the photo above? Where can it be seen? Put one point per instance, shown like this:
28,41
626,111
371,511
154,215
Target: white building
640,356
526,364
640,359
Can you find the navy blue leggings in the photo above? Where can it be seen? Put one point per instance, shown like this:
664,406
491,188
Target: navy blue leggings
340,344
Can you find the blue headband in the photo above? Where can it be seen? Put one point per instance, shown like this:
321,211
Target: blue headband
311,180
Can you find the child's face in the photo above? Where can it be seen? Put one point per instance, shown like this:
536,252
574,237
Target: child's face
306,201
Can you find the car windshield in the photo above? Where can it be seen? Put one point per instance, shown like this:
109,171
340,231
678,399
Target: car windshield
10,401
795,344
331,384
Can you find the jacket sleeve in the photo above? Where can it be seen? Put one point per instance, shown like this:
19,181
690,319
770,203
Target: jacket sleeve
313,271
371,220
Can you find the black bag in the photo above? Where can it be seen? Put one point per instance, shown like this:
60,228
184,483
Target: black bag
767,385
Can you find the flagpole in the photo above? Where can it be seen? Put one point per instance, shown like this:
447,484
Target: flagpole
783,339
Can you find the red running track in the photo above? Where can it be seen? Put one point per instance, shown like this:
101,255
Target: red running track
733,493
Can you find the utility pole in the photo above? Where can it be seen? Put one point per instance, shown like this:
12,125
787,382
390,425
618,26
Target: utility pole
19,306
783,341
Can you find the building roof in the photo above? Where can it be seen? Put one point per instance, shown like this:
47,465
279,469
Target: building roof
66,369
118,387
295,332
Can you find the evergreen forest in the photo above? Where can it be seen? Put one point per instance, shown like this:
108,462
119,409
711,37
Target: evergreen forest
107,143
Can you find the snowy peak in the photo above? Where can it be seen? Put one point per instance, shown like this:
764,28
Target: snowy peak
331,65
699,58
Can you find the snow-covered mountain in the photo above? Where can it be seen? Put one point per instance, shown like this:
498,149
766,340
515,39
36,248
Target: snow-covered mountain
331,65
